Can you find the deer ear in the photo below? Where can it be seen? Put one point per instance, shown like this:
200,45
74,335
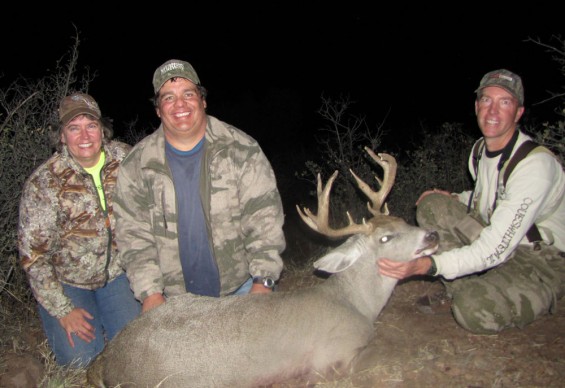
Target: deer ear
342,257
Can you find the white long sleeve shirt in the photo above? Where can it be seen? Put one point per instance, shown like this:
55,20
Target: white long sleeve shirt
535,193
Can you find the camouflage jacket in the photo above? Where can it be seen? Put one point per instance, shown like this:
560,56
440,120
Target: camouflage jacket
242,206
63,234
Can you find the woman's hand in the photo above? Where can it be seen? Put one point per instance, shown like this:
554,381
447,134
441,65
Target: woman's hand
76,323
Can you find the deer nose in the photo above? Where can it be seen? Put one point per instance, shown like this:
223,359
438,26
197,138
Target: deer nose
432,237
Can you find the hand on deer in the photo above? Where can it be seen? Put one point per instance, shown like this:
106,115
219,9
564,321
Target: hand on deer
152,301
260,289
402,269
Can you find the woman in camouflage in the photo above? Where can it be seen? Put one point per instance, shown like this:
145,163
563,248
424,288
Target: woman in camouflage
65,236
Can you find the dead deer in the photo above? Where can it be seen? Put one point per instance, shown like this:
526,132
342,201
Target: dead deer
260,340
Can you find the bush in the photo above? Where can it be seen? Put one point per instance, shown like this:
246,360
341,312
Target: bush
439,160
340,150
28,109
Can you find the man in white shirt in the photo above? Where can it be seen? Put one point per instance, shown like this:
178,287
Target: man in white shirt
497,278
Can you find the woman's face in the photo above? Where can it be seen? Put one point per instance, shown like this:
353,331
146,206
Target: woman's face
83,137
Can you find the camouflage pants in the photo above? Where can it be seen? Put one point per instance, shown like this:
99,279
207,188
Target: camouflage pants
512,294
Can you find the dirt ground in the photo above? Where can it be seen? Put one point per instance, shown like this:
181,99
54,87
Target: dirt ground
419,349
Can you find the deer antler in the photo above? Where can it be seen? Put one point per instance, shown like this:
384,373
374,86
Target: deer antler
320,222
388,164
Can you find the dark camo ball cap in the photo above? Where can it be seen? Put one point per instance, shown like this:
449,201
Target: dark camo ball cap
506,80
78,104
171,69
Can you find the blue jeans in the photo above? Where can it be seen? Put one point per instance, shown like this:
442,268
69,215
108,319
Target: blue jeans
112,306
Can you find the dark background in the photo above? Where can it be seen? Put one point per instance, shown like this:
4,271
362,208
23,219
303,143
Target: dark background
267,67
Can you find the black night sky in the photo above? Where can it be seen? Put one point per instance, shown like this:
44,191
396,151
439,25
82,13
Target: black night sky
267,67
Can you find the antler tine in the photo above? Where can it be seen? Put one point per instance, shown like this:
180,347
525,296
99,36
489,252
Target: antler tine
320,222
388,164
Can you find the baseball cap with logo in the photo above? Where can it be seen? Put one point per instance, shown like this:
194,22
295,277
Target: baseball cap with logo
171,69
77,104
506,80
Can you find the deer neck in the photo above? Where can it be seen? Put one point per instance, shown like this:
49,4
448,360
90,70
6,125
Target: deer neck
363,287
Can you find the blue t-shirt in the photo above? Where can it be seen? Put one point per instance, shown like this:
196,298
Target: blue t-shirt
199,268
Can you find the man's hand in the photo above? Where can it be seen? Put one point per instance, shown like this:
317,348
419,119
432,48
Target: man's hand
152,301
260,289
76,323
404,269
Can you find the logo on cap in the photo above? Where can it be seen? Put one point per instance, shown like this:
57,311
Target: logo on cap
171,69
172,66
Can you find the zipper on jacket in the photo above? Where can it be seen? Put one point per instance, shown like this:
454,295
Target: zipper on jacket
107,224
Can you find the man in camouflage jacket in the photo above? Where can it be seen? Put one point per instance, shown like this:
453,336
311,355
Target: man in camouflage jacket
237,191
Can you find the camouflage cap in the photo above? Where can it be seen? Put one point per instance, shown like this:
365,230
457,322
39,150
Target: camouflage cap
77,104
506,80
171,69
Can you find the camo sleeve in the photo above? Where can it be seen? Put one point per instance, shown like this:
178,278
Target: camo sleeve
38,238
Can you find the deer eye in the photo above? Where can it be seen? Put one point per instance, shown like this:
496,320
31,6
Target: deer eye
385,239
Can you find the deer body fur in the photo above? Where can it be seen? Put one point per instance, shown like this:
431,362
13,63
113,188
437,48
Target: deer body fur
264,339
